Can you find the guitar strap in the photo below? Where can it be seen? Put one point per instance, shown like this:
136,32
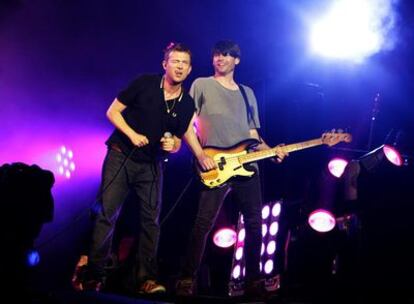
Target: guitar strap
248,109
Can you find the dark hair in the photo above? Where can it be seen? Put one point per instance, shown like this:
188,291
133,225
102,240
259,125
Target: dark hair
176,47
227,47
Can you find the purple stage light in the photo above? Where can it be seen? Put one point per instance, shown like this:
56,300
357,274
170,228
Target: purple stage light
239,253
66,165
271,247
321,220
337,166
268,266
224,237
236,272
264,230
265,212
268,251
276,209
32,258
242,235
393,155
274,227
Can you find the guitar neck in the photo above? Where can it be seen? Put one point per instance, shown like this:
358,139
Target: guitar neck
258,155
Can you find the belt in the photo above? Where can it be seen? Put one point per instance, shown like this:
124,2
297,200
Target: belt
116,148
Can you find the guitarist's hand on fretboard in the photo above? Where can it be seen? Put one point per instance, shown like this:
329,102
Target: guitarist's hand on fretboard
206,162
280,153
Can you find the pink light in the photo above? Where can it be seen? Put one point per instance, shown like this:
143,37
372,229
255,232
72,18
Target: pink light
224,237
276,209
264,229
271,247
337,166
268,266
242,235
393,155
239,253
236,271
65,163
265,212
274,227
321,220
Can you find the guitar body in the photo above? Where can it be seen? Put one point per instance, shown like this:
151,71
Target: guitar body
228,164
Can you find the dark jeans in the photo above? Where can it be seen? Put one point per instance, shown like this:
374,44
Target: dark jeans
145,179
247,194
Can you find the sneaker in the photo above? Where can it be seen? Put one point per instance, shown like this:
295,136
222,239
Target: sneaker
93,285
84,280
255,290
150,287
184,287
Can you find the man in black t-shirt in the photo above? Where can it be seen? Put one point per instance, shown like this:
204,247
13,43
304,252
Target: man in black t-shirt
150,116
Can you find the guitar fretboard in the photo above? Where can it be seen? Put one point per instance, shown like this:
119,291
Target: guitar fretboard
258,155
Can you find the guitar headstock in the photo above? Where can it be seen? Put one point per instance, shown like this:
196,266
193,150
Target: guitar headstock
333,137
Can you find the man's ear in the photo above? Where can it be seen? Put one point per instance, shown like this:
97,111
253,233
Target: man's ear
164,64
237,61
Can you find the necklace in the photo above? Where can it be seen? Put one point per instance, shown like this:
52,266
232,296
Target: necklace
178,98
169,109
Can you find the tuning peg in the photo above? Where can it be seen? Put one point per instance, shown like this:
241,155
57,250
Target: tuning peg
340,131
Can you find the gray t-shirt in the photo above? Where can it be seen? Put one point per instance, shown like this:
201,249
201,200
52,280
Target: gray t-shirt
222,117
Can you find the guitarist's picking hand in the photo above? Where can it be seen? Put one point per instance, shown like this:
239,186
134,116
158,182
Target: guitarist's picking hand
280,153
206,162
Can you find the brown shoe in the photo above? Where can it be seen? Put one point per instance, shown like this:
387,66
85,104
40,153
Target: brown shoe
150,287
184,287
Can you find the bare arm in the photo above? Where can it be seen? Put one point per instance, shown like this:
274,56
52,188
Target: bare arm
205,161
115,117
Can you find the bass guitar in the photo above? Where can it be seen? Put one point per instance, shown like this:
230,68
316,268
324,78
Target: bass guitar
229,161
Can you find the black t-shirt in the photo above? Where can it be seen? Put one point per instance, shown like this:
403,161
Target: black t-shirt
146,113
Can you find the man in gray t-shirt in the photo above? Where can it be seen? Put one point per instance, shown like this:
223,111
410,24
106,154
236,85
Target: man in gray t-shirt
223,119
222,116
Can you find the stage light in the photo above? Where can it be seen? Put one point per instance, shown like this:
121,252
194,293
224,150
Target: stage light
224,237
271,247
239,253
268,266
321,220
276,209
66,164
337,166
264,230
265,212
32,258
236,272
270,217
274,227
371,160
241,235
393,155
353,29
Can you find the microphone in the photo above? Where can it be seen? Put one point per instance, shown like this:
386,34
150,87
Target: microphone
166,135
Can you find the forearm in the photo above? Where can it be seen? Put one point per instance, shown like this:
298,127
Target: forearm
191,139
114,114
119,122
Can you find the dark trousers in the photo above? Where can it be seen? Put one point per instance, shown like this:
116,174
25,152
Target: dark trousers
247,194
145,179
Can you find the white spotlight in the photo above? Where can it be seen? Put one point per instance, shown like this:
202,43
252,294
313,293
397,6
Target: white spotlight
354,29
